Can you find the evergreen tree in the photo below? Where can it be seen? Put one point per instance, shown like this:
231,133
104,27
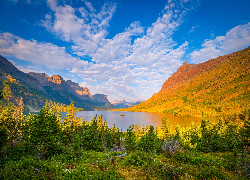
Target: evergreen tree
164,129
3,136
150,142
130,139
45,133
8,121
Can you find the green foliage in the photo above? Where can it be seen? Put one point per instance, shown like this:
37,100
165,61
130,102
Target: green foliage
246,128
165,129
150,142
41,146
3,136
1,94
139,158
130,139
7,120
45,133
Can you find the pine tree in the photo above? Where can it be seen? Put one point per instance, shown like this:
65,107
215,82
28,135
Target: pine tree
8,121
45,133
150,142
130,139
19,117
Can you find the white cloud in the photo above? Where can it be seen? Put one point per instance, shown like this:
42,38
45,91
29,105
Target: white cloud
119,47
86,32
89,5
120,67
236,39
46,54
52,4
118,63
29,69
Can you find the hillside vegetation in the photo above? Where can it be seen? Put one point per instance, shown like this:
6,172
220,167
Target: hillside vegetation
46,146
215,87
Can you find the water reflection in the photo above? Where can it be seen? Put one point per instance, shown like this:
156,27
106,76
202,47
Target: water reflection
140,118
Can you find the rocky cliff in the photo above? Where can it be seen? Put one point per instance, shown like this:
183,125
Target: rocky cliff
84,93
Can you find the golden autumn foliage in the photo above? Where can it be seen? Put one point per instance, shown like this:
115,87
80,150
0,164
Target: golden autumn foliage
218,86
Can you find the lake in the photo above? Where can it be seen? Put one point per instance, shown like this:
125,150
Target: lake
123,122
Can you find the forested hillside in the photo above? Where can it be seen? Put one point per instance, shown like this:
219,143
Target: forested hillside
218,86
37,88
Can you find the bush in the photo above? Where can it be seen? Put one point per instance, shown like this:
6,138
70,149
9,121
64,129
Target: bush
172,146
139,158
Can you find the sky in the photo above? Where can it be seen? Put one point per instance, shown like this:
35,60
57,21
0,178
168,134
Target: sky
125,49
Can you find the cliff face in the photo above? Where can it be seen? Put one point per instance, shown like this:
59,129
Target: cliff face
219,85
55,82
41,77
100,97
84,93
63,90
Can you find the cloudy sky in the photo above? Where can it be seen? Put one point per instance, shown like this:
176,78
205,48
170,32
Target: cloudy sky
125,49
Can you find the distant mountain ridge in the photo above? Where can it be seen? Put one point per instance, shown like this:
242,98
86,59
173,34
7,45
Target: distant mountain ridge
124,104
36,88
220,85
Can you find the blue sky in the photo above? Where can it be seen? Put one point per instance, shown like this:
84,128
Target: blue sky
125,49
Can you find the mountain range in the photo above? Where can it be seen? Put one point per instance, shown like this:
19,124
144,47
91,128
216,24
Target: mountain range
36,88
217,86
124,104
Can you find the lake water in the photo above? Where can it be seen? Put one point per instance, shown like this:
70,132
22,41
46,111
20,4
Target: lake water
123,122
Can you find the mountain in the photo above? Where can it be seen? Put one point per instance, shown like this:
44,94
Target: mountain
71,91
124,104
217,86
7,68
60,91
36,88
16,84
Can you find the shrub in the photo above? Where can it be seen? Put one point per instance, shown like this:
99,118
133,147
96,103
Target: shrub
172,146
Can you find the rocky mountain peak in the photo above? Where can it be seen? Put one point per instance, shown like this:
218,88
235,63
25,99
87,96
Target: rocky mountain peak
83,92
56,79
41,77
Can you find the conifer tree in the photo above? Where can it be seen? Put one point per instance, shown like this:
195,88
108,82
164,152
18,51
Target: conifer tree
164,129
69,123
150,142
3,129
45,132
8,121
130,139
20,117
